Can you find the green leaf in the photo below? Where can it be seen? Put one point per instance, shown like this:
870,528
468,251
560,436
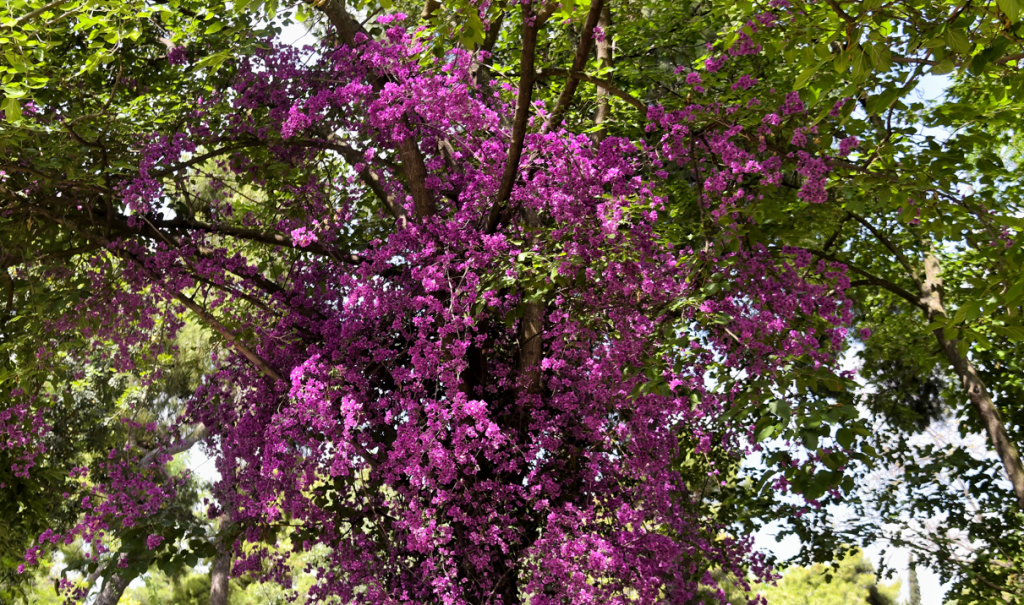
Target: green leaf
215,27
944,67
810,440
212,62
958,41
1010,8
12,109
805,75
1014,292
973,310
780,407
845,438
861,67
1015,333
841,63
764,429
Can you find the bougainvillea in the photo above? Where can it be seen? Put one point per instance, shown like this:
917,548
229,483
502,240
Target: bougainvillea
467,399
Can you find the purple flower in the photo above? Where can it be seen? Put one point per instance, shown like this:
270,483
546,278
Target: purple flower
296,121
838,107
744,82
177,55
154,541
847,145
303,237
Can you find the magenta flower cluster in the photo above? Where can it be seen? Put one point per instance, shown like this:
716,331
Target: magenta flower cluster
405,434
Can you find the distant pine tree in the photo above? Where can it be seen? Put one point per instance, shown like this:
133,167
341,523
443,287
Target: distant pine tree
915,586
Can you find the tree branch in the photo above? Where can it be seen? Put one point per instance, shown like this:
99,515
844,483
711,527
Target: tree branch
605,84
22,20
579,62
178,448
412,158
254,235
839,11
239,346
604,61
890,246
527,75
246,352
869,279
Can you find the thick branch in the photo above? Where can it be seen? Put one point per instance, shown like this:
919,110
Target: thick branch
839,11
254,235
213,322
412,158
113,588
189,303
869,278
429,7
977,392
481,66
604,61
178,448
527,75
579,62
199,159
369,177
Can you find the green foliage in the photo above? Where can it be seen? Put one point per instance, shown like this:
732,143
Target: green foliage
848,581
851,581
192,587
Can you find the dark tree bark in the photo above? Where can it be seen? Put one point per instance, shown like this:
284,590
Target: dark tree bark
604,60
220,575
113,588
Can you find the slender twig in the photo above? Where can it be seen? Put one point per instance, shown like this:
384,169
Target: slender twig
22,20
903,260
605,84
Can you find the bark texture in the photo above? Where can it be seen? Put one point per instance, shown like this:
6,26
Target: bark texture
220,575
977,392
112,590
604,61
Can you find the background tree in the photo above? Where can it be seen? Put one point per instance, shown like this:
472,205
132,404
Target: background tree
852,580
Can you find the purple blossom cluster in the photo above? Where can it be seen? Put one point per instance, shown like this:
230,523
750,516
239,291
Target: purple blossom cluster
406,433
20,433
177,55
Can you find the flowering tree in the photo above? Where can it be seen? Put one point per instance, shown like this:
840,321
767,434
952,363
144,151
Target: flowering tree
458,349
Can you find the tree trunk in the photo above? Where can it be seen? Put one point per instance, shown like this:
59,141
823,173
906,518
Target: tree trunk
428,9
977,392
604,60
220,575
113,588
